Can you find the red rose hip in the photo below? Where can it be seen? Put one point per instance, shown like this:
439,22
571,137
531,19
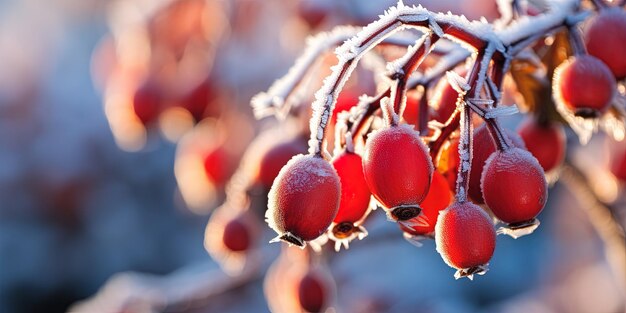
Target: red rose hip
303,200
514,187
606,40
544,142
484,146
355,199
398,170
584,85
465,238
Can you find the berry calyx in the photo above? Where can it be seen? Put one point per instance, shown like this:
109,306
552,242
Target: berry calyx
303,200
355,199
484,146
546,142
584,85
606,40
515,188
398,170
465,238
438,198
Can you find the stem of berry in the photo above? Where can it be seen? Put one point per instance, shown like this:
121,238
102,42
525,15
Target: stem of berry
576,40
422,125
368,106
465,141
465,153
445,132
493,89
352,50
405,66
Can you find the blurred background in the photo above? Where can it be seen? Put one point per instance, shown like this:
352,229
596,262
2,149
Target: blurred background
121,123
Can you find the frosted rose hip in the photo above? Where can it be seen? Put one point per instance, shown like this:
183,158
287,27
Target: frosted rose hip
514,186
482,149
584,85
304,199
465,238
398,170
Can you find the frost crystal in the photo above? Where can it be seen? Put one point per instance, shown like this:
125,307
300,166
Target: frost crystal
501,111
458,83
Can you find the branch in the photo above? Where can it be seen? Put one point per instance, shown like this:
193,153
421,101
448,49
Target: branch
279,97
191,286
476,34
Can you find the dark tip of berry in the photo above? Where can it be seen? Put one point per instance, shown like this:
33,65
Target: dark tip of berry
292,240
587,113
405,212
469,272
344,230
524,224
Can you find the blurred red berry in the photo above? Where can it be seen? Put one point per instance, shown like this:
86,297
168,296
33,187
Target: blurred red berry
545,142
606,39
584,85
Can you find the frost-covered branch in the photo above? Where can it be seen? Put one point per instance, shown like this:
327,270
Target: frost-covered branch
401,69
280,96
501,45
476,34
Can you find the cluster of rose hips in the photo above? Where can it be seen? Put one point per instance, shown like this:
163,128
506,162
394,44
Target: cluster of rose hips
416,164
422,190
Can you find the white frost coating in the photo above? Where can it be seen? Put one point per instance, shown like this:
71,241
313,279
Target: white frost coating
388,113
392,21
458,83
432,24
397,65
266,103
478,29
451,59
484,65
527,26
501,111
483,102
395,68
